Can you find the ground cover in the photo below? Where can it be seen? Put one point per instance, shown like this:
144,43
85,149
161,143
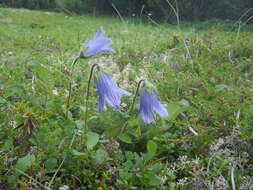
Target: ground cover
202,71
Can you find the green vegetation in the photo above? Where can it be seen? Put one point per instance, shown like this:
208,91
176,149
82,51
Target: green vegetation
203,72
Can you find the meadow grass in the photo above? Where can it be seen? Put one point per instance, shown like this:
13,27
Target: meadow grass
203,72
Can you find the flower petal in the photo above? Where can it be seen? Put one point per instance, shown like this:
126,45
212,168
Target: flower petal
123,92
159,108
101,95
110,50
99,33
111,96
146,107
101,104
111,93
97,46
114,85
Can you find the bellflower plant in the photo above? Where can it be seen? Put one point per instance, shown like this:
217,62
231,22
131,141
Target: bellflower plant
150,105
109,92
97,45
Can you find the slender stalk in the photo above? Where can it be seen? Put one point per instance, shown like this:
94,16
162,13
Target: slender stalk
132,106
34,180
56,172
117,11
175,10
87,95
67,108
75,60
68,100
136,94
70,87
233,178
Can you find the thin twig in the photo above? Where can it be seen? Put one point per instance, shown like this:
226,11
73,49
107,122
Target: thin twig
142,8
31,178
121,18
71,143
238,31
56,172
177,140
175,12
245,13
233,178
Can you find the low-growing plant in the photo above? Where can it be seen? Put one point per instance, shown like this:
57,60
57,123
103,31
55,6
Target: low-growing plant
162,112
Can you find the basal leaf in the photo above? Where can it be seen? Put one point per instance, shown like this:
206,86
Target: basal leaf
92,140
25,162
125,138
151,147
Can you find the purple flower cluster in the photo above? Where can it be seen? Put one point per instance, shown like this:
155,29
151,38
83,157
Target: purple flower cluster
108,90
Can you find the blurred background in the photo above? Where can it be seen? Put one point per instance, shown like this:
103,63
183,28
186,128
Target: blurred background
161,10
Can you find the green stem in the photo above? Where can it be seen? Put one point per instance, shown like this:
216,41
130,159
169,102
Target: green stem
132,106
87,95
75,60
70,88
69,96
136,94
31,178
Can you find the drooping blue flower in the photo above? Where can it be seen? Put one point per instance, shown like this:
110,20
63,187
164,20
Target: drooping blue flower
150,105
109,92
97,45
146,110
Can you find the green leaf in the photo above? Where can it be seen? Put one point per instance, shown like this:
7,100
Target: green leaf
153,179
137,132
2,100
39,68
184,102
156,167
92,140
133,122
128,164
112,131
175,109
125,138
220,87
25,163
80,124
125,175
147,157
76,153
50,164
8,144
151,147
100,156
